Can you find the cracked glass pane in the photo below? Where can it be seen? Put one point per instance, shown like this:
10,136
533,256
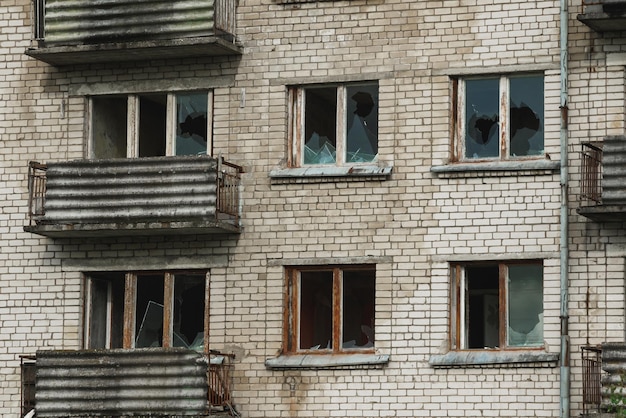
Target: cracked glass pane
482,307
482,117
362,123
526,116
525,316
359,288
320,137
316,310
149,311
192,124
188,321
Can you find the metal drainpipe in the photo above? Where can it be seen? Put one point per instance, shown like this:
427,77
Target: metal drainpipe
564,244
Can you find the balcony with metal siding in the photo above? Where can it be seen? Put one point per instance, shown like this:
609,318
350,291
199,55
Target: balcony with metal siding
603,180
604,15
140,196
89,31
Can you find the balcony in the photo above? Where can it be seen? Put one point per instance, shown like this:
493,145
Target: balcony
87,31
603,182
604,15
141,196
127,382
604,380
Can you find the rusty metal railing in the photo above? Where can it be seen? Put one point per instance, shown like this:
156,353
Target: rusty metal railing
36,190
591,172
220,380
228,181
592,378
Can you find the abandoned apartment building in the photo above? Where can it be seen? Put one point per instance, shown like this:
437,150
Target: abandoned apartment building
298,208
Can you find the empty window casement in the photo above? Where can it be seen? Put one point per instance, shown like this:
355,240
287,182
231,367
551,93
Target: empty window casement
330,309
497,305
333,125
499,117
150,125
135,310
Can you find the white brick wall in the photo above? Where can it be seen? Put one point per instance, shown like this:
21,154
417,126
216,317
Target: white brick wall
419,220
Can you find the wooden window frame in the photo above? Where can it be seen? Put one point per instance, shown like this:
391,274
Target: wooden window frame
291,314
132,120
296,123
130,308
458,323
459,118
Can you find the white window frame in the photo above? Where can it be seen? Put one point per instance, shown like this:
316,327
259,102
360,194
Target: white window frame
132,118
503,123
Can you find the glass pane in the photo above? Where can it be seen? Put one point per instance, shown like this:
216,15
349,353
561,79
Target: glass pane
188,321
526,116
106,311
362,123
316,310
109,127
320,122
525,301
191,126
482,308
149,311
98,317
152,117
482,114
359,287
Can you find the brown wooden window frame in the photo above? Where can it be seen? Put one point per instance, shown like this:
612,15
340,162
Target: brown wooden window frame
292,311
129,314
459,312
297,122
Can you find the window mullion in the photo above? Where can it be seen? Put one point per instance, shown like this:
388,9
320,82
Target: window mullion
90,153
207,304
130,302
209,128
170,124
337,309
341,134
132,139
503,304
461,124
504,118
168,305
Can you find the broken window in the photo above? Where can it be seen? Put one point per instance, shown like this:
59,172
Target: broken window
500,117
497,305
151,125
331,309
334,125
127,310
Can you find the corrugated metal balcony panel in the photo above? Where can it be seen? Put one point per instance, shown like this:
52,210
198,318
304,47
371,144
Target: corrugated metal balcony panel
614,171
75,22
121,382
144,189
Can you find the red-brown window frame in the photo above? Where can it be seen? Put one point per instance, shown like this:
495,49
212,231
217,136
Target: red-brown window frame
292,309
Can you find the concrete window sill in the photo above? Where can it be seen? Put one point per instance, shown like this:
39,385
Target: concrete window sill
327,361
483,358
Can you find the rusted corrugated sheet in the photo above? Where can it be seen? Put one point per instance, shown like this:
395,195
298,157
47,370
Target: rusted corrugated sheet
131,190
121,382
73,22
614,170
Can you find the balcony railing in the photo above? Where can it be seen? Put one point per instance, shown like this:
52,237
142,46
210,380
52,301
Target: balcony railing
135,382
592,379
591,176
86,31
144,196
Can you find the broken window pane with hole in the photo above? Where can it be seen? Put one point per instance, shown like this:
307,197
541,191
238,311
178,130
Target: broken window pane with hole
320,137
362,123
109,127
188,321
482,117
358,308
152,122
526,116
149,311
482,308
192,123
316,310
525,314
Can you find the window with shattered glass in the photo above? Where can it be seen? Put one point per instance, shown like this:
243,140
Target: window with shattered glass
334,125
331,309
150,125
497,305
160,309
501,117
